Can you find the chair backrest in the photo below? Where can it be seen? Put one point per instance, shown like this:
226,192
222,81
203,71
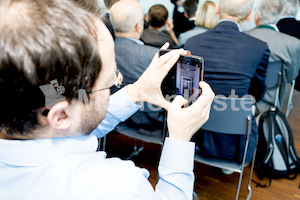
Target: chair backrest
229,115
273,77
273,73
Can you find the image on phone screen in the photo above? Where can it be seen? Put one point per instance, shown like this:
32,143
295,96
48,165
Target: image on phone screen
187,80
184,77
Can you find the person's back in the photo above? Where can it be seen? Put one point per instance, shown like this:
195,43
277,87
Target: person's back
154,35
284,48
288,23
206,18
235,64
182,21
133,57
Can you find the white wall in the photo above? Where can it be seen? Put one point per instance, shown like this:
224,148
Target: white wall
146,4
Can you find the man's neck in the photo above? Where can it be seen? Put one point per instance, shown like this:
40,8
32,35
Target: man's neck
128,35
231,18
155,28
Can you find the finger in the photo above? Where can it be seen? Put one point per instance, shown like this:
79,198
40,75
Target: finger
205,99
165,46
168,60
178,103
206,90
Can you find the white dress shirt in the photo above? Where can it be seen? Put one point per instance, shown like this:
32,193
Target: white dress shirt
70,168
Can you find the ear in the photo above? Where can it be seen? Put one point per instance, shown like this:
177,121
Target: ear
139,27
218,9
147,18
186,16
58,117
249,16
256,19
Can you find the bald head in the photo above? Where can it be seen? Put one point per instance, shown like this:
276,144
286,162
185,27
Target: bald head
237,10
125,15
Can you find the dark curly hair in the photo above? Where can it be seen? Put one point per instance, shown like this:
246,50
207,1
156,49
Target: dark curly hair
41,41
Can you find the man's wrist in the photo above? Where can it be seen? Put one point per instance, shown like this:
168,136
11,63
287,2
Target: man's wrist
133,93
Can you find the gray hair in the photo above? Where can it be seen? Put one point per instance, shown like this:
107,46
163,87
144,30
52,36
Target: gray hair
269,11
291,7
126,20
236,8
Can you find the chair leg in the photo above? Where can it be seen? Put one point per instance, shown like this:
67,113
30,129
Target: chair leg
290,103
242,171
251,173
103,142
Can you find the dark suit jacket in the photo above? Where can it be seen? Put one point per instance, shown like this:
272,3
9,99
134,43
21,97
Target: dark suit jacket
132,60
157,38
181,23
233,61
291,27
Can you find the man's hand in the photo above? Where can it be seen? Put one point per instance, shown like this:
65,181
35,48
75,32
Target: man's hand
169,26
148,87
184,122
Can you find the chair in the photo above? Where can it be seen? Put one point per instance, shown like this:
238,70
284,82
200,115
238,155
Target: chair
229,116
290,103
273,78
133,132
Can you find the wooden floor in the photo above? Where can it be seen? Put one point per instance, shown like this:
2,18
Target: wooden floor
211,183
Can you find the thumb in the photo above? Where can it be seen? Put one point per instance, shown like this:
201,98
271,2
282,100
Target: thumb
178,102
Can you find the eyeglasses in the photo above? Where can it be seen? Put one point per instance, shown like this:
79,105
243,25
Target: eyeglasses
118,82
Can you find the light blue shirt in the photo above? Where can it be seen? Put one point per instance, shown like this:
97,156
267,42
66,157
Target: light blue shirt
70,168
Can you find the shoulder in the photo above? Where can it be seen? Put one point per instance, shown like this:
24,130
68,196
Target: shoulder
103,178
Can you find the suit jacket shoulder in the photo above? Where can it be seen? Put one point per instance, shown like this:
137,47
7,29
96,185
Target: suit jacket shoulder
132,59
289,26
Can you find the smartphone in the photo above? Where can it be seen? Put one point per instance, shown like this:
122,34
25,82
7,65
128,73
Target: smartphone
184,77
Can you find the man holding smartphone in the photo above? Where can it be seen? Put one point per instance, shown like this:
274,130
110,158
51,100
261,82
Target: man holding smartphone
48,153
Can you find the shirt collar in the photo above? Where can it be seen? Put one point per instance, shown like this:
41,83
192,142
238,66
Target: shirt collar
139,42
38,151
269,26
228,20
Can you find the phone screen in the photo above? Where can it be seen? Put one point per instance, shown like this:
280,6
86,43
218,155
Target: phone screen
184,77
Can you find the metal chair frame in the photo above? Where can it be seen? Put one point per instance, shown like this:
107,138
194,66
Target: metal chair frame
230,121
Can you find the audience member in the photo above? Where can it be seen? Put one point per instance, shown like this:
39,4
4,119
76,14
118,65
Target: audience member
206,18
133,58
283,48
289,25
157,18
183,15
235,64
49,153
106,18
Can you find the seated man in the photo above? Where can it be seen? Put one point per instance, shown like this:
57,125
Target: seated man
283,48
157,18
289,25
133,58
235,64
106,20
48,153
183,21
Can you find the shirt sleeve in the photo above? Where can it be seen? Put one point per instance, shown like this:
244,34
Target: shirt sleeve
120,108
176,177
